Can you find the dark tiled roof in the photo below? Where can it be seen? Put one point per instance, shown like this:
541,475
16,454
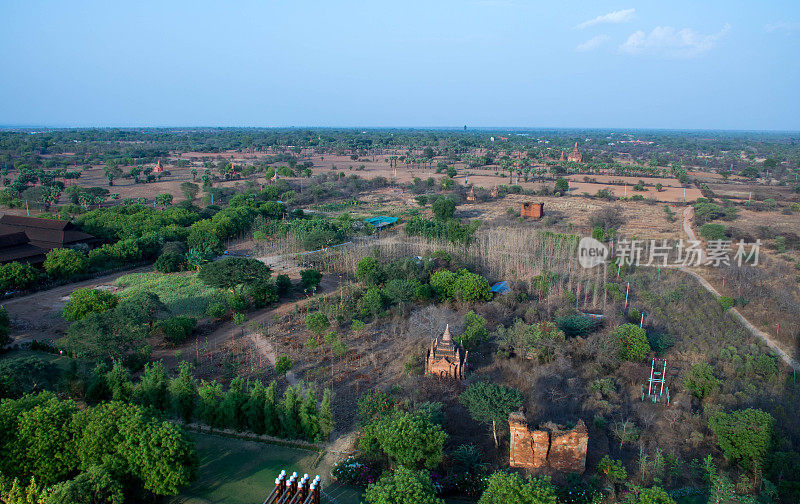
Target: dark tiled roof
28,239
44,233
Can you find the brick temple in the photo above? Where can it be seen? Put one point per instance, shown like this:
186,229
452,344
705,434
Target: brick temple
575,156
560,449
446,358
471,196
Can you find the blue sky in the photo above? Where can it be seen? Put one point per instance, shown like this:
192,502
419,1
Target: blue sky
717,64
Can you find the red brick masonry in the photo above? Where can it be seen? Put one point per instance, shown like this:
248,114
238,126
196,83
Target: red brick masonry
531,210
562,450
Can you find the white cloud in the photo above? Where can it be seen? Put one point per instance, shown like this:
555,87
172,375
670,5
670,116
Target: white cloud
783,26
670,42
593,43
620,16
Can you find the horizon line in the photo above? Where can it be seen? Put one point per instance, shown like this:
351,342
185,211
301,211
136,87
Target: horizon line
5,128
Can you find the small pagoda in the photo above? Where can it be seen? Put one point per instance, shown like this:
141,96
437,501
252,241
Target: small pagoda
471,196
575,156
446,358
495,192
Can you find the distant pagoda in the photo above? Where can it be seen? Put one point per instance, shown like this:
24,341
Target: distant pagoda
446,358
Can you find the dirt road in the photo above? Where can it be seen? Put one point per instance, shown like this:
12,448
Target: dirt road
38,315
688,218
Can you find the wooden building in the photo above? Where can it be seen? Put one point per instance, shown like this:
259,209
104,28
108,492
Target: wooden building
29,239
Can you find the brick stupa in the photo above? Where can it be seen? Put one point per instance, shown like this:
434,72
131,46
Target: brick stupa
446,358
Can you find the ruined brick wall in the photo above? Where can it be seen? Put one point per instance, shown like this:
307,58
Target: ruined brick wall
535,449
531,210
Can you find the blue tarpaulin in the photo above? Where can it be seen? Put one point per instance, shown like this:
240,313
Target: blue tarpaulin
501,287
381,221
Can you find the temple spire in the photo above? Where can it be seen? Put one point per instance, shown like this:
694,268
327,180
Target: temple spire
446,335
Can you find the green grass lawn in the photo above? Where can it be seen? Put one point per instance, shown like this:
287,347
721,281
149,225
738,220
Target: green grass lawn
234,471
183,293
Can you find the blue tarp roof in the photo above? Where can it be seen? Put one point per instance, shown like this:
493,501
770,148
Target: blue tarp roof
503,287
381,220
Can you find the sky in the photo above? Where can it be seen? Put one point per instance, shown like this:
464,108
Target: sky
710,64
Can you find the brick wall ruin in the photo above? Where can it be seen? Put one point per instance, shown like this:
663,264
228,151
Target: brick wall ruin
562,450
531,210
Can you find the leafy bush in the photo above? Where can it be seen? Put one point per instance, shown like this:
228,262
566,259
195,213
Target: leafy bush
170,262
713,231
17,276
372,302
726,302
310,279
283,284
87,300
317,322
216,310
283,364
176,330
399,290
356,471
475,331
700,380
231,272
632,342
743,435
444,208
369,271
65,263
576,325
5,327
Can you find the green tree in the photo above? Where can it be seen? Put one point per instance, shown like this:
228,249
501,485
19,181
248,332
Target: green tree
190,190
613,470
17,276
65,263
119,382
317,322
254,407
444,208
403,486
271,413
409,439
700,380
232,405
183,392
471,287
232,272
325,416
290,414
490,403
475,331
511,488
308,415
45,441
654,495
208,407
562,185
112,171
95,485
632,342
5,331
310,279
744,435
152,389
87,300
283,364
370,272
